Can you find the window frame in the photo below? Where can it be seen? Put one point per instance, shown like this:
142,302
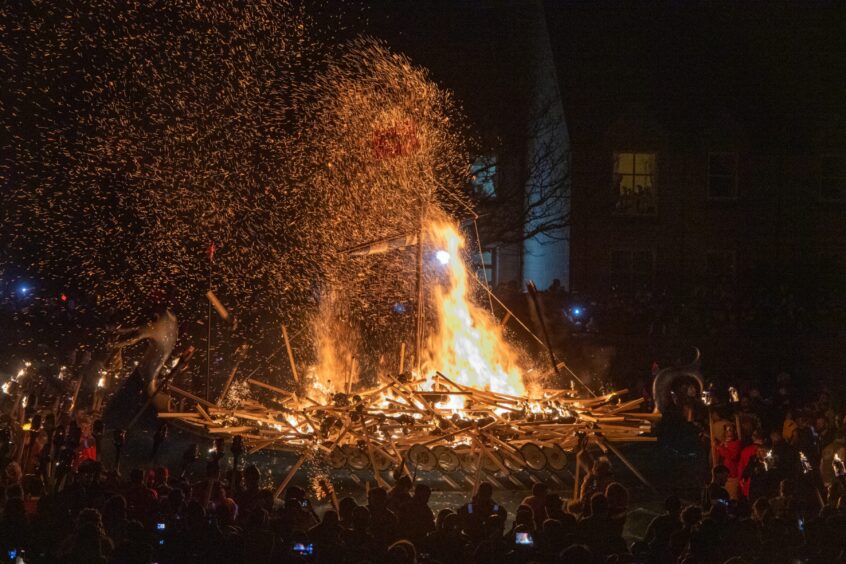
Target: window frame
822,177
735,174
491,164
480,265
615,190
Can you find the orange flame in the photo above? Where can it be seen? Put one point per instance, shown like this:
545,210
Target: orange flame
468,345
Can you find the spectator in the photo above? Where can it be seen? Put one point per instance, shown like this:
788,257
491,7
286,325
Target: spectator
141,501
728,452
416,517
618,504
716,490
399,495
598,479
662,527
474,513
345,510
296,513
14,527
446,544
358,540
747,455
537,503
383,521
598,531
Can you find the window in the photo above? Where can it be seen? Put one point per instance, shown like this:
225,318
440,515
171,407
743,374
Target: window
722,176
634,183
833,178
483,176
486,268
720,265
632,270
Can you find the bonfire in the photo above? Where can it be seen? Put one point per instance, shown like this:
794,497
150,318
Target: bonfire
468,407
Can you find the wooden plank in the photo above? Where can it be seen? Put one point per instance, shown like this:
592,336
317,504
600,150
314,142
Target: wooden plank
190,396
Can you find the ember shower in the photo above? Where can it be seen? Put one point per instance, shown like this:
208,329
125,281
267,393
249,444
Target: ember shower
181,132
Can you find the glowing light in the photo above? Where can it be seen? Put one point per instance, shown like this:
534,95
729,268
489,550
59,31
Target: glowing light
443,257
468,345
101,383
5,387
577,312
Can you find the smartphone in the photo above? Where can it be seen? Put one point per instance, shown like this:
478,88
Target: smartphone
303,549
304,503
496,508
801,524
13,554
470,508
523,539
160,526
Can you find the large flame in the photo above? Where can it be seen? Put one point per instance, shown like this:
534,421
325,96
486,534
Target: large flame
468,345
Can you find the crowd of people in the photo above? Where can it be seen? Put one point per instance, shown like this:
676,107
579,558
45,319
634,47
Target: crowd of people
765,503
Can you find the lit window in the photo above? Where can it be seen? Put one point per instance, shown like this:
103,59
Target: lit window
722,176
486,268
720,265
634,184
483,176
632,270
833,178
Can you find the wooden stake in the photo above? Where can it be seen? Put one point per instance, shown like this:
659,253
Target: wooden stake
576,488
289,476
402,357
76,391
219,308
478,477
625,460
290,355
239,357
713,450
254,382
350,374
190,396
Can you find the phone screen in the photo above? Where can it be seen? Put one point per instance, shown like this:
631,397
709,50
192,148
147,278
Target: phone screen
304,549
523,539
160,526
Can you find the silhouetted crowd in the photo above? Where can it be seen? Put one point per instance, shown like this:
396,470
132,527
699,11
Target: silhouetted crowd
154,516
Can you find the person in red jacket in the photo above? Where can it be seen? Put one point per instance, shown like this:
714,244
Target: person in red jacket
728,454
749,452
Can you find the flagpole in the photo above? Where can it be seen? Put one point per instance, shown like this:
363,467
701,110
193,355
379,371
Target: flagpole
209,322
